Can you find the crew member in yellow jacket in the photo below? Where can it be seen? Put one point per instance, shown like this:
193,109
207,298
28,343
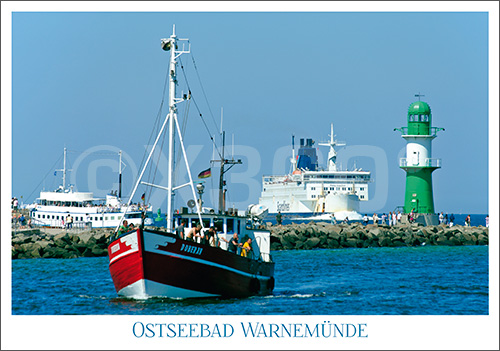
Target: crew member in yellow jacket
247,247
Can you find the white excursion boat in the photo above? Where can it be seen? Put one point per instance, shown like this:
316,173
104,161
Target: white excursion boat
316,193
54,207
147,262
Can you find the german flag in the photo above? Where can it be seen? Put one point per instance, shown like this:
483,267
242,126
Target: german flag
143,197
205,174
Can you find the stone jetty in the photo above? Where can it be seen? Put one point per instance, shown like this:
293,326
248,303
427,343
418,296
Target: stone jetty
306,236
60,243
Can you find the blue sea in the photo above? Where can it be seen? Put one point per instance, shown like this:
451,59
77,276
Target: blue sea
429,280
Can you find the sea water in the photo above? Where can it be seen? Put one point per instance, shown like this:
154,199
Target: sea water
429,280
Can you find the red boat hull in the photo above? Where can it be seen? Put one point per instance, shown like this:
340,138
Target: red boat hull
147,263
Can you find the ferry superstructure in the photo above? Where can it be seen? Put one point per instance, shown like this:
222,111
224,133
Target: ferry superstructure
310,190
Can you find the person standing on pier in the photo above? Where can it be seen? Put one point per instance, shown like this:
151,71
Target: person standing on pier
278,218
452,218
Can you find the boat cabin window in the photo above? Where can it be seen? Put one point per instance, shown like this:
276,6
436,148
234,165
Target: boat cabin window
219,224
131,215
230,225
196,221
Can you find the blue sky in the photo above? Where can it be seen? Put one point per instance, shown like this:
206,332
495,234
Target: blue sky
93,82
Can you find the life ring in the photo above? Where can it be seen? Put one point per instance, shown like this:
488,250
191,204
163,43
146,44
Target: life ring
270,284
254,285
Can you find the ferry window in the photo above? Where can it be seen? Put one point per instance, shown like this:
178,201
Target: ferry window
361,188
349,188
95,218
112,217
38,216
52,216
100,218
230,225
43,216
106,218
57,217
362,196
313,188
343,188
313,196
119,217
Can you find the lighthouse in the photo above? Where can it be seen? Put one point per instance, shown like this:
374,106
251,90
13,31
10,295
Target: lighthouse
418,163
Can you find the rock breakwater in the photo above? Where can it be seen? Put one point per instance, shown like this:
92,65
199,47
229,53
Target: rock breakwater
306,236
36,243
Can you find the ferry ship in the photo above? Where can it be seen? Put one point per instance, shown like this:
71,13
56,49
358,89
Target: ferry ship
53,208
148,262
314,192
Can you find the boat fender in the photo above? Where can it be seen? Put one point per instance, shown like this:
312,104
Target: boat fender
270,284
254,285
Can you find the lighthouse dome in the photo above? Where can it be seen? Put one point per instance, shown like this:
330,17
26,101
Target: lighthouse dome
419,108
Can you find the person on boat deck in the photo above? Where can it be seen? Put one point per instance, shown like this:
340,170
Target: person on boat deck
180,229
247,247
233,243
211,236
204,239
193,233
123,228
131,226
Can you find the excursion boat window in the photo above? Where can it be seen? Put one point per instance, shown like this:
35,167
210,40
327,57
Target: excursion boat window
112,217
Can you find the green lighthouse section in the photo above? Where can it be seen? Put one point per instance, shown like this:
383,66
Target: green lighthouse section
418,195
418,163
419,118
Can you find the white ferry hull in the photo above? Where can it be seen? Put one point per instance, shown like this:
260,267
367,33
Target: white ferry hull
292,203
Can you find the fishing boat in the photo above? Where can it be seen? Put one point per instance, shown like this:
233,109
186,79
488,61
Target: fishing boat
315,193
67,208
151,262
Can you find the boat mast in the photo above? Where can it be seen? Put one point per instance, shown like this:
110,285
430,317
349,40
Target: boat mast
332,154
170,44
173,114
221,179
120,177
64,172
